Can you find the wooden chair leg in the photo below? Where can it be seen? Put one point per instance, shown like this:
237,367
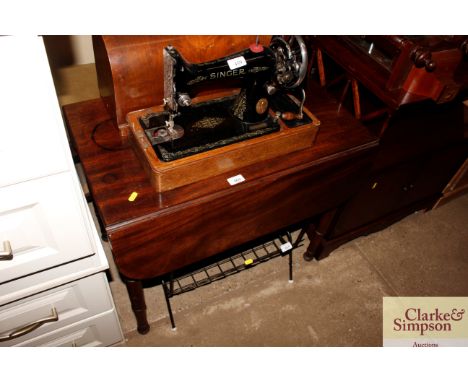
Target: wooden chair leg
321,68
137,299
356,99
316,234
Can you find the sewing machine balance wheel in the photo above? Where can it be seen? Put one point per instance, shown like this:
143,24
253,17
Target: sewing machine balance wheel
292,60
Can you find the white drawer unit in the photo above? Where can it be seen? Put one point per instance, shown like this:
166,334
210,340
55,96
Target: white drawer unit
53,289
41,226
54,309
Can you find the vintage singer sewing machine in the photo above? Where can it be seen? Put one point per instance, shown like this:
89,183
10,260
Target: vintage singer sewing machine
254,111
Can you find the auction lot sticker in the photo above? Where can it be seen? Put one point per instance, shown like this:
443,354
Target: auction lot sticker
425,321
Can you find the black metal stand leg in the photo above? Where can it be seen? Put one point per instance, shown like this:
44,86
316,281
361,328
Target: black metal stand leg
290,268
290,259
289,252
168,303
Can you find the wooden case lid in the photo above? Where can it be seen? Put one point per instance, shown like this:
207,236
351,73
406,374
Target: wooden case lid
130,68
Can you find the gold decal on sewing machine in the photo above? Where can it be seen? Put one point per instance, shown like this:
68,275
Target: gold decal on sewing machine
197,80
257,69
208,122
240,105
227,73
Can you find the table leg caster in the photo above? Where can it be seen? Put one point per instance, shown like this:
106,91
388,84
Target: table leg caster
143,329
308,256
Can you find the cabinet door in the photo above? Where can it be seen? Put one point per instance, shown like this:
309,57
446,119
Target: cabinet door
32,136
382,194
42,220
436,172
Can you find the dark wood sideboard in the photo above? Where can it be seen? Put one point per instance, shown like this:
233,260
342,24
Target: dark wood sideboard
409,91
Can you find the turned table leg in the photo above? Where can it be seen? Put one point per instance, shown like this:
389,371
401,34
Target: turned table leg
316,235
137,299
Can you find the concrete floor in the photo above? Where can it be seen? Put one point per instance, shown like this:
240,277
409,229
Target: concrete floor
334,302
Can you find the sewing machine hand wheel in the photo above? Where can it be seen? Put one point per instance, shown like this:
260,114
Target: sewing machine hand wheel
292,60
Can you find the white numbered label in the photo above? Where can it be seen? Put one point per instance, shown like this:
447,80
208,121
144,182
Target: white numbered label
236,179
286,247
237,62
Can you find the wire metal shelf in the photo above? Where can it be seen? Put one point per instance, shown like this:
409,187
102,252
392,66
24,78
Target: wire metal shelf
281,246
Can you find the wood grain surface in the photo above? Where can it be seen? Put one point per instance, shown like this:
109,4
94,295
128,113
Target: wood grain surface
160,232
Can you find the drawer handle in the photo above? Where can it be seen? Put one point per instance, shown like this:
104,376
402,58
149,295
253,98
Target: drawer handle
7,253
31,327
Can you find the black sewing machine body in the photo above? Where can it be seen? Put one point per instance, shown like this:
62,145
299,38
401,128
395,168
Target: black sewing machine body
249,68
264,76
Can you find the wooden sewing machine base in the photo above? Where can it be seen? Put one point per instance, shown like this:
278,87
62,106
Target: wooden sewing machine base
166,176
